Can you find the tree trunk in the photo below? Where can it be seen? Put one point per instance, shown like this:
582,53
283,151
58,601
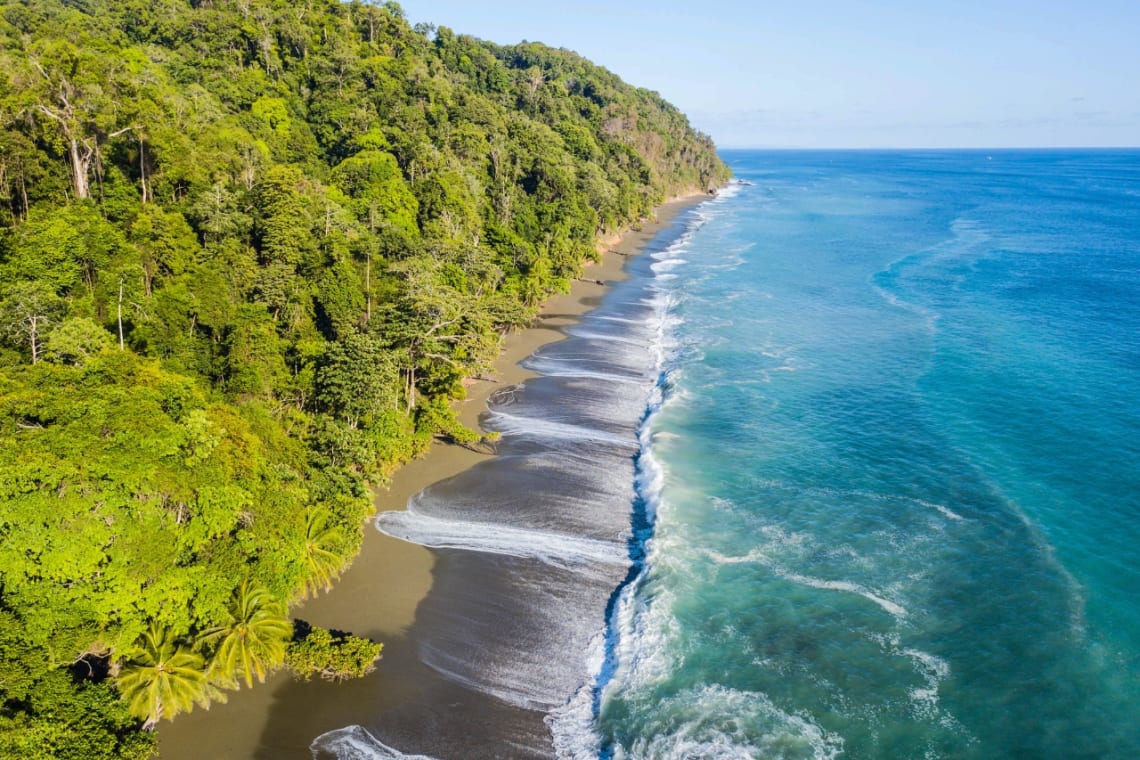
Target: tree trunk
120,315
410,389
368,289
148,278
34,335
368,264
24,195
80,161
146,196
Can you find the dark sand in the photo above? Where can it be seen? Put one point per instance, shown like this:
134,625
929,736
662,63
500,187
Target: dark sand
379,594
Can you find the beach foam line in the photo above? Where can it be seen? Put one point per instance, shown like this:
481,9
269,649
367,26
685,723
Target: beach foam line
716,721
576,367
663,266
573,726
622,320
551,370
625,340
356,743
555,549
519,425
514,694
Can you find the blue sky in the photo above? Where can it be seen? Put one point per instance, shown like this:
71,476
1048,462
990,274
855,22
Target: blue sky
843,73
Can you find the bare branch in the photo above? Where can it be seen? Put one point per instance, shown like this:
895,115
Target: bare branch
48,112
443,324
39,68
443,358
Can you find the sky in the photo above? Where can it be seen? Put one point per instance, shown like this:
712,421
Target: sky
851,73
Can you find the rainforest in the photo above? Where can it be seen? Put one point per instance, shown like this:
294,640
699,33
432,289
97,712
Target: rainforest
249,252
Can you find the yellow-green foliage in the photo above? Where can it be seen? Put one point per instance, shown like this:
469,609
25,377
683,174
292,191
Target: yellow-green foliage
331,655
246,257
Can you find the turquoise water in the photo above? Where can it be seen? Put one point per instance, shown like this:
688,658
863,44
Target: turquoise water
894,469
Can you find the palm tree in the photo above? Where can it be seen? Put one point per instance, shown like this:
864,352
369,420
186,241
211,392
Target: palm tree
322,562
161,678
252,642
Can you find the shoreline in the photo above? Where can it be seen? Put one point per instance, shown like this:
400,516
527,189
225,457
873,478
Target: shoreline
378,595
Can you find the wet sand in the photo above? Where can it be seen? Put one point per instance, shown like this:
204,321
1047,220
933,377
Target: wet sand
379,594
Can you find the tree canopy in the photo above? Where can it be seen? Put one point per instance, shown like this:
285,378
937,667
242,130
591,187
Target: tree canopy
249,250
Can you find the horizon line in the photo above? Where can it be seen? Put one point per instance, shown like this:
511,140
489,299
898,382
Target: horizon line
927,147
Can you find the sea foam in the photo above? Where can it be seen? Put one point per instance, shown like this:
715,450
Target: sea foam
356,743
730,724
557,549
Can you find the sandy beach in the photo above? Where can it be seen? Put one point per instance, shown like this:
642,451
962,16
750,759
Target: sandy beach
379,594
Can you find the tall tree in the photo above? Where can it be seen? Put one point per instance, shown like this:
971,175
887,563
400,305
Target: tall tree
251,643
27,312
79,93
357,379
162,678
322,561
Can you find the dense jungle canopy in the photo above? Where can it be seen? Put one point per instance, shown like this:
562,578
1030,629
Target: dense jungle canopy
249,249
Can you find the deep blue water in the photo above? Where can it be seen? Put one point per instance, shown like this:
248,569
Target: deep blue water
894,469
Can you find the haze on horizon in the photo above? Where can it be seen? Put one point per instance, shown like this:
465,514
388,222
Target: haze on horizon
841,74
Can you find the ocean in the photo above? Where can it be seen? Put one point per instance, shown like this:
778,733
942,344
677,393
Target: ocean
848,468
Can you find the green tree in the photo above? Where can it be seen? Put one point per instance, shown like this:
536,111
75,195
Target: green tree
252,641
76,340
380,196
78,92
63,248
219,214
357,380
165,243
28,311
283,225
331,655
254,363
162,678
323,562
341,300
72,719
